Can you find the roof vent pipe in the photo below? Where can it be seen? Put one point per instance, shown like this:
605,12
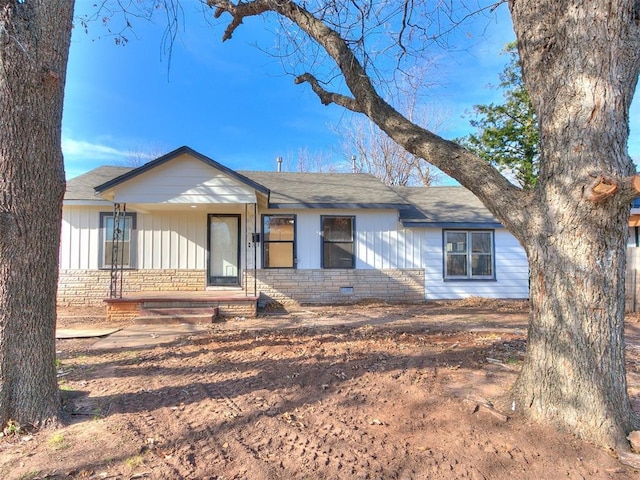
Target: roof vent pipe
353,164
279,161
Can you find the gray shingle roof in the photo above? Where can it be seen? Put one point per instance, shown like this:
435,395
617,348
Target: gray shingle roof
81,187
445,207
418,206
287,190
331,190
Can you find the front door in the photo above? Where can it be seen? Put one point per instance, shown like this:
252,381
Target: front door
224,250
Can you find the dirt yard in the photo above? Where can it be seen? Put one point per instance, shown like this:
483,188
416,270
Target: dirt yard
364,392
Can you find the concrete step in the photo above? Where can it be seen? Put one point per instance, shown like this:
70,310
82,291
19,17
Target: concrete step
158,316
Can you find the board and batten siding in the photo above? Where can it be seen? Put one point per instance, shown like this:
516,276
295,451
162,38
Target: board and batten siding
165,239
173,239
512,271
380,241
178,239
80,237
184,180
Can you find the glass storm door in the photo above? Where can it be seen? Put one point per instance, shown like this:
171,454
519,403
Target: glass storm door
224,250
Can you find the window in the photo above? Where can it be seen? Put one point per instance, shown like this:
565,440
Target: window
468,254
633,239
337,242
278,241
126,247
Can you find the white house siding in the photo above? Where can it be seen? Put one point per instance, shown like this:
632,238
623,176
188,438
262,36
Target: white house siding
184,180
165,239
173,243
380,240
512,271
175,240
382,243
80,238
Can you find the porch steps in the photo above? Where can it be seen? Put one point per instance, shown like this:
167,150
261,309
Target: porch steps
181,307
175,315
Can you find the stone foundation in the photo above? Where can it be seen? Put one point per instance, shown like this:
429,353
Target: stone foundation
338,286
91,287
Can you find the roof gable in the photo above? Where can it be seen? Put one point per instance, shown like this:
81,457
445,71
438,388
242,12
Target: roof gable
181,177
171,156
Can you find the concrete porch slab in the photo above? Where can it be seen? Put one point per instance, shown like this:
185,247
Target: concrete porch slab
141,336
65,333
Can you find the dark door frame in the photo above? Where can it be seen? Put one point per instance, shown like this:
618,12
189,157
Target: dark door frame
221,281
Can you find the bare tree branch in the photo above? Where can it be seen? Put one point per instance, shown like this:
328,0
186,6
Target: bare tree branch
239,12
506,201
327,97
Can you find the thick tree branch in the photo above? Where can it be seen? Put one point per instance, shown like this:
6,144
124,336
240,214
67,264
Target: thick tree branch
238,11
629,187
505,200
327,97
602,188
606,186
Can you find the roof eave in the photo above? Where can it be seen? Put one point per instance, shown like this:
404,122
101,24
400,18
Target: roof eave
84,202
338,205
452,225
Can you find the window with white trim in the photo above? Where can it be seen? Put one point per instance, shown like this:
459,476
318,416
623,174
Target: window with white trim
127,245
468,254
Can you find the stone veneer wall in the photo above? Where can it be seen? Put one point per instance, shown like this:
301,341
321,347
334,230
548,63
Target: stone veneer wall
91,287
338,286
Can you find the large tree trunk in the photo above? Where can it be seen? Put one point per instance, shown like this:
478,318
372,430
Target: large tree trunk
35,37
580,62
573,375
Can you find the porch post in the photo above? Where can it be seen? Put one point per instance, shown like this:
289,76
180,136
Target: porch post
255,251
119,212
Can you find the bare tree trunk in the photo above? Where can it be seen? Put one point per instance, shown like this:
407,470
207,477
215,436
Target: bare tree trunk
574,371
35,37
580,66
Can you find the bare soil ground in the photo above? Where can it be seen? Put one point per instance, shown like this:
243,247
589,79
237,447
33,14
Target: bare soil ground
372,391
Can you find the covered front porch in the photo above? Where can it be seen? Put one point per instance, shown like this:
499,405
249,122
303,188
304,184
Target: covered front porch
181,240
182,307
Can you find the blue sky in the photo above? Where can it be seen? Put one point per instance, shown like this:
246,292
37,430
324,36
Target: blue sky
231,101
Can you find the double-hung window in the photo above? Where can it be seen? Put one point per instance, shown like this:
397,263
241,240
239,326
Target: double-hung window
126,244
278,241
468,255
338,241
